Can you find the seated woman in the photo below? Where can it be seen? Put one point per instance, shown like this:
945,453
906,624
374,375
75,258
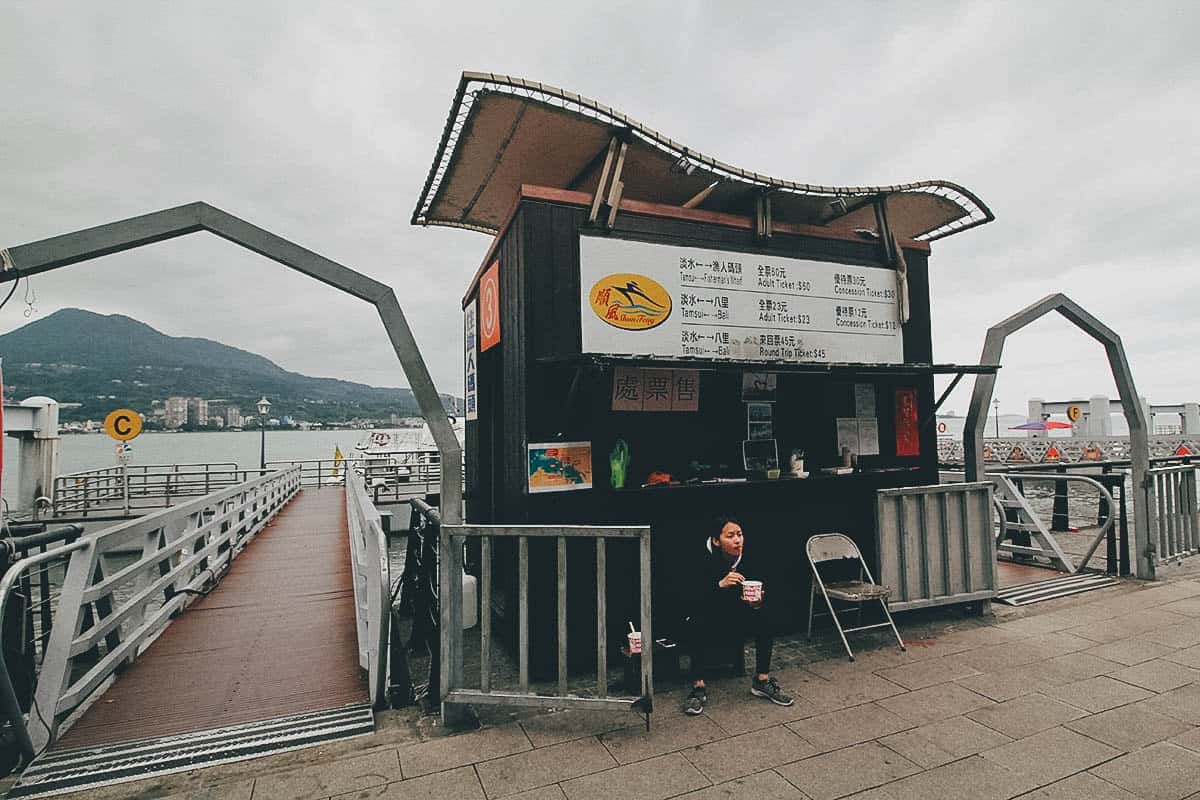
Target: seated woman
718,614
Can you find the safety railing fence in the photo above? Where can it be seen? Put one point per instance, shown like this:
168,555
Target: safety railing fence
387,476
105,616
130,488
453,688
1175,514
1105,516
372,585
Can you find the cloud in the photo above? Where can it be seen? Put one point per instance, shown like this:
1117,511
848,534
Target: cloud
1074,122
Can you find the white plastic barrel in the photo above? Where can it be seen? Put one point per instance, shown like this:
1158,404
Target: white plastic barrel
470,603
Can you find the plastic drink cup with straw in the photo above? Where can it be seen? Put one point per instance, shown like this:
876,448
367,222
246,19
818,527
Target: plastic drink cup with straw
635,640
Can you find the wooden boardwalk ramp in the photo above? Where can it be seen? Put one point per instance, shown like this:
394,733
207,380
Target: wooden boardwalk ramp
273,646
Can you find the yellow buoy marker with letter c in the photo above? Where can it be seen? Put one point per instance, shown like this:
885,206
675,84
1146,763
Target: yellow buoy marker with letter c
123,424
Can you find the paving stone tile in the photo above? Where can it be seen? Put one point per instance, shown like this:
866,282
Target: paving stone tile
975,778
658,778
987,634
330,778
846,771
1025,716
1039,624
1159,772
917,749
543,766
1158,675
732,758
552,792
1051,755
1098,694
731,706
1189,739
457,751
1188,657
564,725
1000,686
1004,657
848,726
672,732
1129,727
1083,786
935,702
236,790
1130,651
929,672
1071,667
945,741
1129,625
1189,607
1182,704
457,784
844,692
1180,636
766,785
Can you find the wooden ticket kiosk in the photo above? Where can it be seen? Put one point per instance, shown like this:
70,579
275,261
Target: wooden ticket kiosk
657,338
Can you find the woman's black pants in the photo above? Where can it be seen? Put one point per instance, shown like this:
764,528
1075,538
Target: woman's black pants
725,627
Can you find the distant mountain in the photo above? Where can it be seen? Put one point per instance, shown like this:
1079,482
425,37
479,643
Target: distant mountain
105,361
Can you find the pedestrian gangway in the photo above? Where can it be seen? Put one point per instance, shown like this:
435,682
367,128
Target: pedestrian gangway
242,622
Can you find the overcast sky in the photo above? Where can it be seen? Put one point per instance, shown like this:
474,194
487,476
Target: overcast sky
1078,124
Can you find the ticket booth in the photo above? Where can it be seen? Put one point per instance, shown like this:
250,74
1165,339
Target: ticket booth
655,337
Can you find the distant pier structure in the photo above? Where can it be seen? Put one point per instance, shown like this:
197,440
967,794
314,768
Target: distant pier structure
1174,434
1093,417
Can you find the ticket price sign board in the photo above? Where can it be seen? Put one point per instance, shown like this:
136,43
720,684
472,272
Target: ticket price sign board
670,301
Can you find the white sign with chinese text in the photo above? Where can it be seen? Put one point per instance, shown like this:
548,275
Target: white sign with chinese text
734,306
471,377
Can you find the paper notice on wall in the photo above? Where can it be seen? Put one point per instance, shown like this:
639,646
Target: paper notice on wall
656,390
864,400
868,437
627,389
847,434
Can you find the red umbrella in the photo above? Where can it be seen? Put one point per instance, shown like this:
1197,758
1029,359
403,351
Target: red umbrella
1047,425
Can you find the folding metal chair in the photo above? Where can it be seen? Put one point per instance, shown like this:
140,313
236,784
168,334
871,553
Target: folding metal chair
839,547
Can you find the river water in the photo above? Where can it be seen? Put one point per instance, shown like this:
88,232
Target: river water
93,451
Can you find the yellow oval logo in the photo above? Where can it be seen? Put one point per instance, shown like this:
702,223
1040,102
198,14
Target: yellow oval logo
630,301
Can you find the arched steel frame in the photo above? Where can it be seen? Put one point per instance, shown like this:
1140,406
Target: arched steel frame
1135,415
71,248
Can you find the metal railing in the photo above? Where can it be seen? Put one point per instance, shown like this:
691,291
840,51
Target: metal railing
1103,525
388,477
102,620
372,585
451,593
129,488
1176,513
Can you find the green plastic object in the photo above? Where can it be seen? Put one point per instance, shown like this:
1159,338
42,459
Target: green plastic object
618,462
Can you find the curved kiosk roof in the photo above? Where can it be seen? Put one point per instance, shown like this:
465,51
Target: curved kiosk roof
503,132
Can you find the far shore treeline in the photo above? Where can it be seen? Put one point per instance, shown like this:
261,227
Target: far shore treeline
104,362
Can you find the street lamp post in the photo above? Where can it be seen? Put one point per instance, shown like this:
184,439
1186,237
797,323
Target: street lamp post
996,408
264,406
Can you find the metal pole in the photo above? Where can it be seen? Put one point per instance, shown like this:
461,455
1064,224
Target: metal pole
262,453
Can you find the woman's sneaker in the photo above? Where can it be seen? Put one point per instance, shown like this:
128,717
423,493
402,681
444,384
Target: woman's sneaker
694,704
770,690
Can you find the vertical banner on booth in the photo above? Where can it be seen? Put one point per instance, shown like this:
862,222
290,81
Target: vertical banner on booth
2,427
489,308
470,391
908,435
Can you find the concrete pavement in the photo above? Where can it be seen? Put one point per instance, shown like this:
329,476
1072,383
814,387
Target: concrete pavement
1096,696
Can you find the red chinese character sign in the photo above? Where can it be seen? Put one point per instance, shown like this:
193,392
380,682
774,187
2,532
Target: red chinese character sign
908,434
489,307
